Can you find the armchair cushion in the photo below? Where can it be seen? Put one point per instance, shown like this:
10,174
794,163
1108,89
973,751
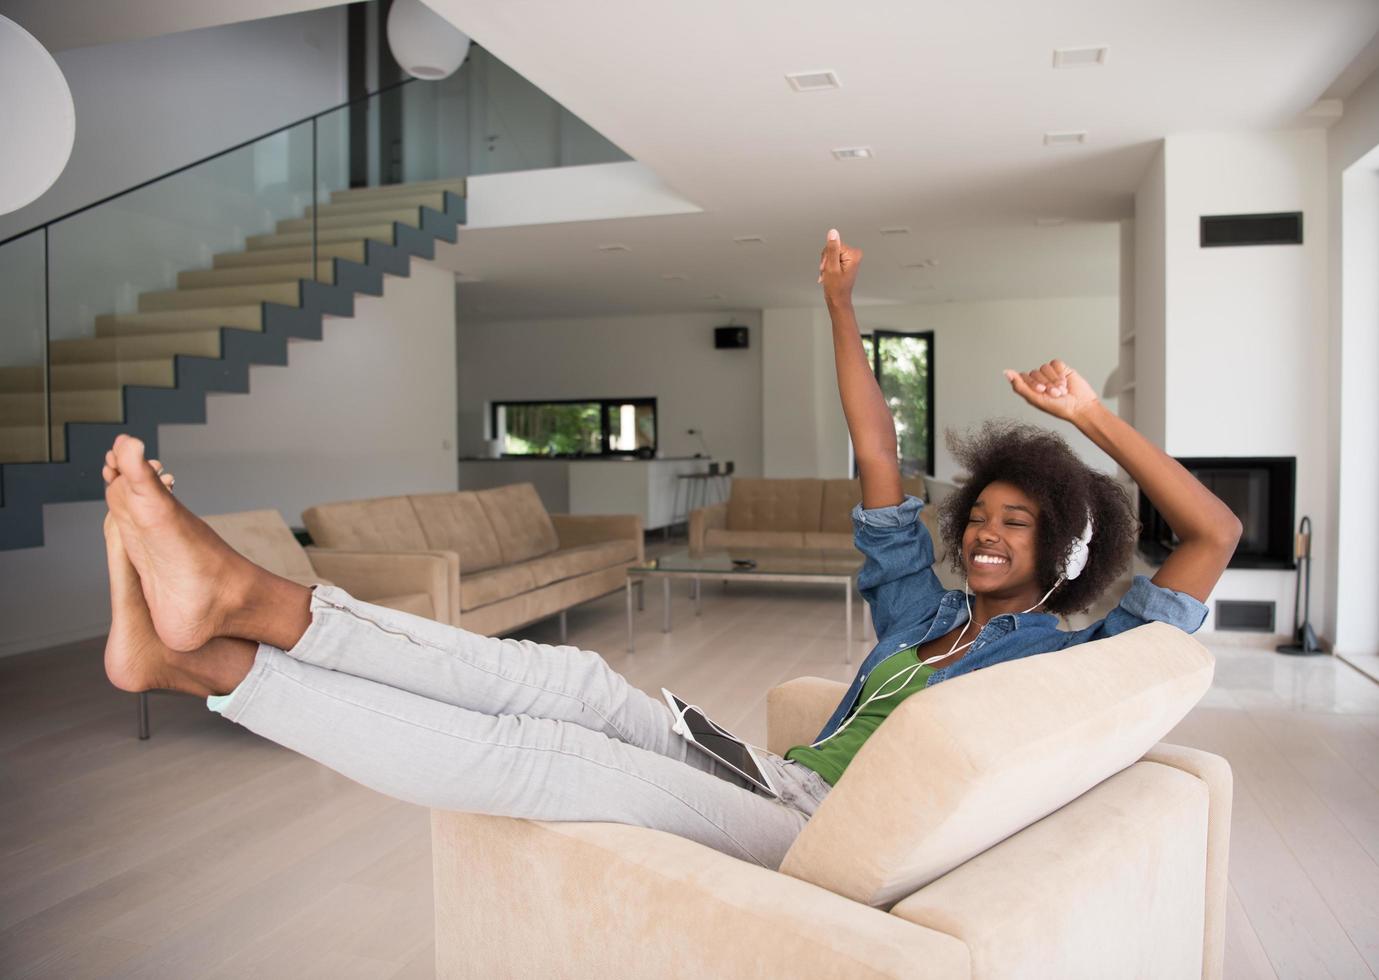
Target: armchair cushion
621,901
520,522
1002,748
705,519
457,522
264,538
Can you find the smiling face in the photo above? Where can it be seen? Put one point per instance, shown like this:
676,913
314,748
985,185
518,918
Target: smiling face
1000,543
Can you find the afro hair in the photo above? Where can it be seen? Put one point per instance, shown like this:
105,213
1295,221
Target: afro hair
1067,492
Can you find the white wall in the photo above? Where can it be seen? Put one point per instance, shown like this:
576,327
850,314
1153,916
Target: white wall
670,357
149,106
1351,617
370,410
1242,330
806,435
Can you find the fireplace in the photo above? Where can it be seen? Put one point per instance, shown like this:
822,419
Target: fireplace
1258,489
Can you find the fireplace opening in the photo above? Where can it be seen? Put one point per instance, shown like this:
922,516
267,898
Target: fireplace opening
1259,490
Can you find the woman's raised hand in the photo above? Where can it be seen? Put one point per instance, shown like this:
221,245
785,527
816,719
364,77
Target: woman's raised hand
838,269
1054,388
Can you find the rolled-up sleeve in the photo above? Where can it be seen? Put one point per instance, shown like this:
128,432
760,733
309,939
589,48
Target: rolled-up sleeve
896,579
1146,602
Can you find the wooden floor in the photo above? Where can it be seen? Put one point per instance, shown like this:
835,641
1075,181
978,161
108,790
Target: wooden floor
206,852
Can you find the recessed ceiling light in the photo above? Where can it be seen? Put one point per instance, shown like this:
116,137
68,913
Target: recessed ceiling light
1071,137
614,247
921,264
1080,57
715,296
750,240
1049,222
674,276
853,153
895,230
813,81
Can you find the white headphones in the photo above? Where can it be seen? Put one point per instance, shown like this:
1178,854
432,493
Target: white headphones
1076,560
1078,552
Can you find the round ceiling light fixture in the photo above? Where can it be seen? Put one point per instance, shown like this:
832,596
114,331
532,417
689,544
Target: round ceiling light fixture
36,116
424,43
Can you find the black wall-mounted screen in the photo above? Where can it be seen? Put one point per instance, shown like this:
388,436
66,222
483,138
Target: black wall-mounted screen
1228,230
1258,490
731,337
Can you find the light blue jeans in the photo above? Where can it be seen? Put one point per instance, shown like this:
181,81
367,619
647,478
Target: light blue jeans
444,718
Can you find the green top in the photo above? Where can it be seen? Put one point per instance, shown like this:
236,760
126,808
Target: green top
830,759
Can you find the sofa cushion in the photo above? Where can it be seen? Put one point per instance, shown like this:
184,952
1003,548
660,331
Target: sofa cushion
716,538
457,522
489,586
774,505
416,603
264,538
828,540
520,522
580,560
1003,747
379,524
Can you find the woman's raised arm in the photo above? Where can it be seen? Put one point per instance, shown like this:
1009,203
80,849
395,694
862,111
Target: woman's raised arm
868,416
1207,530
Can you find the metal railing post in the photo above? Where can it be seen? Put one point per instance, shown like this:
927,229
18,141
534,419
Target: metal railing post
315,199
47,354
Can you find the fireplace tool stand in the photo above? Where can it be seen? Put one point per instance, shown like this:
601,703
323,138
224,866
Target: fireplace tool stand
1304,636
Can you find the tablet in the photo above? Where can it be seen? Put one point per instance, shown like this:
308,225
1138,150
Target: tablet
716,741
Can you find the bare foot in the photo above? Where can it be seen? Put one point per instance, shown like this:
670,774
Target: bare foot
137,660
195,585
188,575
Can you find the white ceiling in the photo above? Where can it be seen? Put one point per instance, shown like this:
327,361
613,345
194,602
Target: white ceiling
955,99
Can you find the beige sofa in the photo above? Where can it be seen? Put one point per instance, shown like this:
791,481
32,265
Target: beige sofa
509,562
413,583
1018,821
804,514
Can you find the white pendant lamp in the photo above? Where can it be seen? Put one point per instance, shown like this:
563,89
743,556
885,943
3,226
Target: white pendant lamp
423,42
37,120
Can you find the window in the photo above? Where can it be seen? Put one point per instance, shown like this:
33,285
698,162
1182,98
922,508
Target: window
591,427
904,367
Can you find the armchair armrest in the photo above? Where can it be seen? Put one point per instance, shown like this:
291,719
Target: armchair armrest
370,575
797,709
1216,773
573,530
605,897
701,519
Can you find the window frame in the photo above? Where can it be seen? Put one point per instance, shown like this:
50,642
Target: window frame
927,336
604,435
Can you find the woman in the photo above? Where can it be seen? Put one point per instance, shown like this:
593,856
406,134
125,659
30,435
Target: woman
445,718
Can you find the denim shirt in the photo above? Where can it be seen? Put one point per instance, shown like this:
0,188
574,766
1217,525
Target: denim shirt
910,607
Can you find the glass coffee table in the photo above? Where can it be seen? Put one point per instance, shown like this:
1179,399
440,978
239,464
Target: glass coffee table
838,568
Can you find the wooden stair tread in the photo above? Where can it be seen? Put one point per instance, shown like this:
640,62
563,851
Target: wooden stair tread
30,408
178,321
434,199
456,185
352,250
206,279
219,297
377,233
86,350
405,215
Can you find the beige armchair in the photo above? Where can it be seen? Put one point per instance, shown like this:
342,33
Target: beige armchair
1017,821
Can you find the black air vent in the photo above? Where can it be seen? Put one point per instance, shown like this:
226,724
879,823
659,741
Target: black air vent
1250,617
1226,230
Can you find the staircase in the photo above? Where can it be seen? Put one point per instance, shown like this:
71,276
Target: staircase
155,367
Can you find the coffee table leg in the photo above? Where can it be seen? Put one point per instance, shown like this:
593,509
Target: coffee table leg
847,633
630,646
665,594
698,597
